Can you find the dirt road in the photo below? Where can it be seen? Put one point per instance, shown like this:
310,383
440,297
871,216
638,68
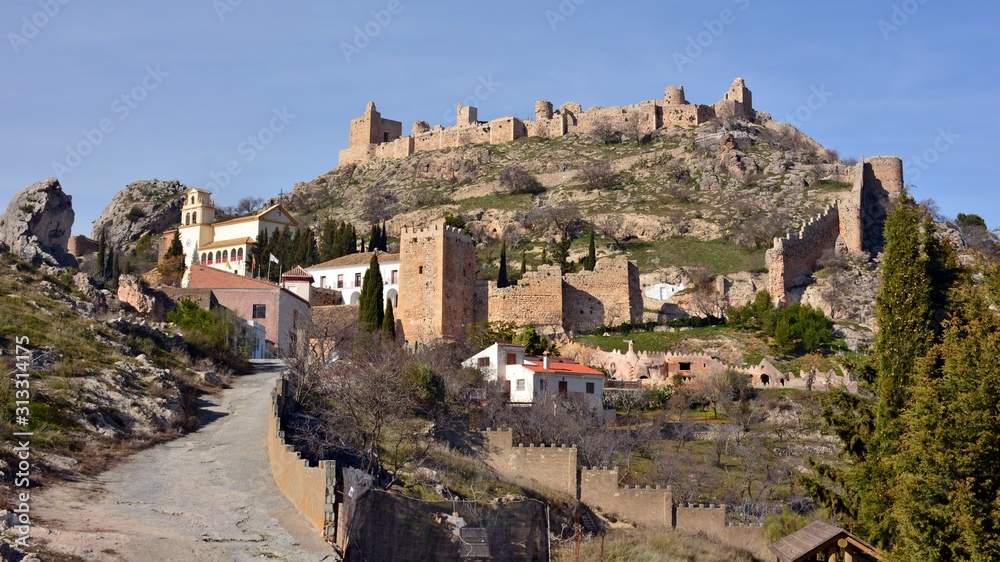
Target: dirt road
206,496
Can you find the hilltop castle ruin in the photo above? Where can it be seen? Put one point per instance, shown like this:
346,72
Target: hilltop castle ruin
852,224
372,136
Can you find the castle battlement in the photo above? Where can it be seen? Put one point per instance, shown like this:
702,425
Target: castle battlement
372,137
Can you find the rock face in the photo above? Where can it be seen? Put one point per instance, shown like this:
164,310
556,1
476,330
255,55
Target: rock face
36,225
145,206
146,302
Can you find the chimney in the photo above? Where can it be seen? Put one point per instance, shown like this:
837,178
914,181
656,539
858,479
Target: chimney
545,360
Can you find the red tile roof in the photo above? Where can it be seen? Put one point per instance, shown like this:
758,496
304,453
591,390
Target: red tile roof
297,273
559,365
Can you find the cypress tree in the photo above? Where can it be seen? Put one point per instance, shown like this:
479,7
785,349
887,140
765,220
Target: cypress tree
328,238
389,322
502,280
175,249
591,260
102,250
115,267
370,312
524,261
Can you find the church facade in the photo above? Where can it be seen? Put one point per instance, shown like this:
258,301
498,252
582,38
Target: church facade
226,245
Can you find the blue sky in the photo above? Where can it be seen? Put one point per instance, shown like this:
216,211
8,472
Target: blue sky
248,97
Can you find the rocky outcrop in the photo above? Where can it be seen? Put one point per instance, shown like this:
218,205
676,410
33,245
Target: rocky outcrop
36,225
145,206
145,302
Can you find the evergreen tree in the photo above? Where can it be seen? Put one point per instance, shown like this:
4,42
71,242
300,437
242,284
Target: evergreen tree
115,267
175,248
590,261
502,275
370,312
373,238
524,261
389,322
328,237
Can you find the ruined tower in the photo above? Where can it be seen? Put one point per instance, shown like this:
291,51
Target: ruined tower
437,283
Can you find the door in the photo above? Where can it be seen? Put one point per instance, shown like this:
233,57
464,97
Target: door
563,389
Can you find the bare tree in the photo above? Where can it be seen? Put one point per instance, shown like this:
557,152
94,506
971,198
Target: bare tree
612,227
517,180
632,130
604,132
598,175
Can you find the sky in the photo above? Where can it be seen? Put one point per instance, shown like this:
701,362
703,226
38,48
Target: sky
249,97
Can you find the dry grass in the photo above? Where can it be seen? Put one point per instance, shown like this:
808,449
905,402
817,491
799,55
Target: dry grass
650,546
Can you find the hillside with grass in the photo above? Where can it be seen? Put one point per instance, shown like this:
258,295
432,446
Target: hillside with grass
690,198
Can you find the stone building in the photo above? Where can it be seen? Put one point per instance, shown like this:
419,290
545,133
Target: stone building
372,137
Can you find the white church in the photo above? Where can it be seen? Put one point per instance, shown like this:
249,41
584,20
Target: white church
225,245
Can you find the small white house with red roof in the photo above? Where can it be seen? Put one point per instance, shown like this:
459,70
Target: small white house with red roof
528,379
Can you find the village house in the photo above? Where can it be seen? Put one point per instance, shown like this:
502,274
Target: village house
279,310
822,541
227,245
530,379
347,274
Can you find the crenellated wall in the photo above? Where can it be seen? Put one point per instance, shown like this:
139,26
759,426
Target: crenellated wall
372,137
600,297
793,258
651,507
536,299
552,466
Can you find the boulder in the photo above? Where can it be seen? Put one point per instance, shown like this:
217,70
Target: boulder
145,206
36,225
147,303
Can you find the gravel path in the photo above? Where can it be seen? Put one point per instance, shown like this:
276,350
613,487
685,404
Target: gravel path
206,496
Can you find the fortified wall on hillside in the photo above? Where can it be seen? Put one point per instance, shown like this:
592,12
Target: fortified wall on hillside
372,136
439,296
852,224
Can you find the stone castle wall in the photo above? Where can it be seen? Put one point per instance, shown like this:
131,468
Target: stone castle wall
793,258
309,488
552,466
536,299
555,467
372,137
600,297
854,224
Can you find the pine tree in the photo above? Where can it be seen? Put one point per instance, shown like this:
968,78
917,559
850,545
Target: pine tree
591,260
502,280
389,322
370,312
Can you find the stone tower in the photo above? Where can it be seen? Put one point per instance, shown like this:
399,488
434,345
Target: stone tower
878,182
674,95
437,283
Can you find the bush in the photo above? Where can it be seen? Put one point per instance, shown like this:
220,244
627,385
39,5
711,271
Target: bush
518,180
218,334
598,175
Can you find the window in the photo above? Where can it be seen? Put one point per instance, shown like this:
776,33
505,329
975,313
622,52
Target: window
420,270
685,366
187,218
541,384
483,362
239,254
211,259
340,281
218,256
357,279
590,388
260,311
520,385
194,217
322,280
512,359
394,277
225,255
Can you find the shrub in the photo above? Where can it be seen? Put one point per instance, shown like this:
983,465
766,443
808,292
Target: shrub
218,334
598,175
518,180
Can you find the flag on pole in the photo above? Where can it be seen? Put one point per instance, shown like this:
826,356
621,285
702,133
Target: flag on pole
274,259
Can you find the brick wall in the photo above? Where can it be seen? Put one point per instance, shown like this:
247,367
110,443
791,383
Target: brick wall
309,489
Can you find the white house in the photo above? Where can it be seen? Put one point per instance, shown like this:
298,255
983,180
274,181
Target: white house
224,245
347,273
528,379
